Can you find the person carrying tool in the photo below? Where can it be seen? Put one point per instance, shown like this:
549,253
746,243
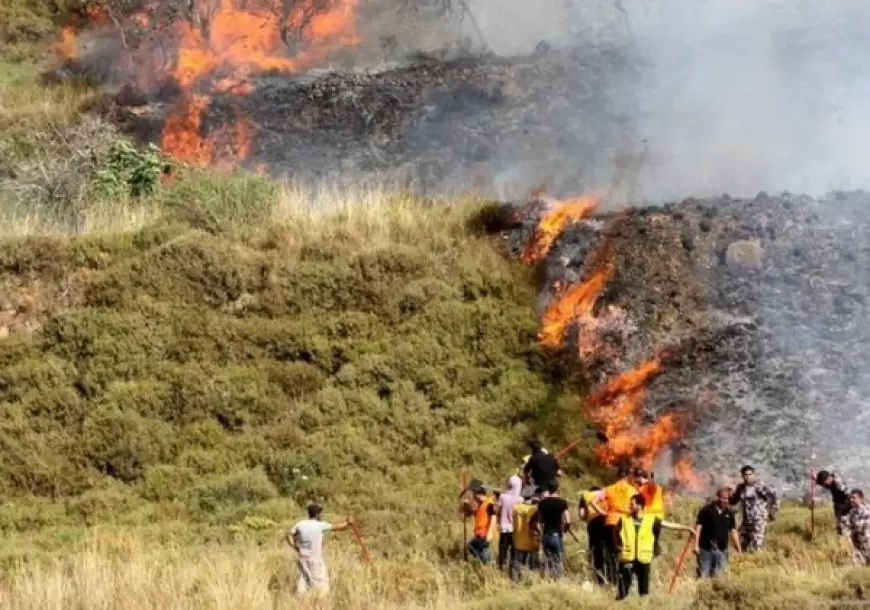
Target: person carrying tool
715,524
859,527
760,504
634,539
540,468
526,538
482,508
595,534
554,519
617,498
306,538
840,495
504,508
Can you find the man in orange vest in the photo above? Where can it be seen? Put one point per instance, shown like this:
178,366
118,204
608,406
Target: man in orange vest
483,509
653,498
617,502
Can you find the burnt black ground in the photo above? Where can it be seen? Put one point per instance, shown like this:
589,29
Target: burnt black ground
780,335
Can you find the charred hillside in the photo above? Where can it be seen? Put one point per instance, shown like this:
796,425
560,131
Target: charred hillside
763,305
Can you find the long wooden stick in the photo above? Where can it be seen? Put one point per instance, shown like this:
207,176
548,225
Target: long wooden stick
463,482
812,506
679,567
359,539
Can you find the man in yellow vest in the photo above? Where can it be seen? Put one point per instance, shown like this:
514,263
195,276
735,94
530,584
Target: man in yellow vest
617,499
634,539
595,534
653,497
526,538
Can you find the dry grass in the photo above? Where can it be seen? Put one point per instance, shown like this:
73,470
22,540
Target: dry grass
114,569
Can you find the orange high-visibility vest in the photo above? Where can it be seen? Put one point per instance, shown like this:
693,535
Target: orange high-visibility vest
618,497
654,500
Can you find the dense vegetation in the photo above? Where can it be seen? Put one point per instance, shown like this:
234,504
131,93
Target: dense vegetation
184,363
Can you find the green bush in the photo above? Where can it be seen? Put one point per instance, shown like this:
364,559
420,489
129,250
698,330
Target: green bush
242,487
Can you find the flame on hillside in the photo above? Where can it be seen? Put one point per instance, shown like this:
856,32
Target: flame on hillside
216,46
554,221
616,405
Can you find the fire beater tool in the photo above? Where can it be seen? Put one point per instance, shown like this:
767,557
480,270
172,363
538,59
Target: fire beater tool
359,539
679,567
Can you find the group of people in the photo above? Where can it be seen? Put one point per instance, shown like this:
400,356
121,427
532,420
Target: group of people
624,521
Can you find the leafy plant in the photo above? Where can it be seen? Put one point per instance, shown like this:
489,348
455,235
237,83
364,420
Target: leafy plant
129,171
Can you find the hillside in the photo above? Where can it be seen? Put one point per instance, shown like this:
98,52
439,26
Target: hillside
188,357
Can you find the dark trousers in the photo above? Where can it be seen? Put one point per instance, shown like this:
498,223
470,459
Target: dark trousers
520,560
596,534
611,554
505,548
479,549
627,571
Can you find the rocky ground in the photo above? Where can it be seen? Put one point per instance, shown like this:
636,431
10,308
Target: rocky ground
766,300
439,124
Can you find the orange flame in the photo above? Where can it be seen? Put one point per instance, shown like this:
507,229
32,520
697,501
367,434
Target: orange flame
67,46
573,305
217,50
553,222
617,407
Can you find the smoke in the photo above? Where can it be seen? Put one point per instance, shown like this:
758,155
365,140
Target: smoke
735,97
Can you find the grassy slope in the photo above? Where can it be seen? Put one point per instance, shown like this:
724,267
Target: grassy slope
228,356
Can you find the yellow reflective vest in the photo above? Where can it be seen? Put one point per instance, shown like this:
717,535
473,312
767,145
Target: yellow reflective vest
618,498
638,543
654,500
525,527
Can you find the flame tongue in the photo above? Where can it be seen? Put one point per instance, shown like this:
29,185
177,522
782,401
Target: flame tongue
554,221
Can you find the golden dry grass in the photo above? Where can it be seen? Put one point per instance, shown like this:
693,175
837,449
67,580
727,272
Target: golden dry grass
129,569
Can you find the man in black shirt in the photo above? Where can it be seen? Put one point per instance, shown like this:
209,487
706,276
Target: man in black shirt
541,468
715,525
553,519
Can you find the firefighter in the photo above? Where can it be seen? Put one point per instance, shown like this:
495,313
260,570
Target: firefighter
634,538
595,532
617,498
653,497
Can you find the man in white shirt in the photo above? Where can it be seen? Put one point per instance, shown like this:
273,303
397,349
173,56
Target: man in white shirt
306,538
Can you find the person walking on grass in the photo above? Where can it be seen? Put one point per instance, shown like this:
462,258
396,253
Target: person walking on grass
716,524
859,527
483,509
840,495
306,538
504,508
554,519
760,504
634,540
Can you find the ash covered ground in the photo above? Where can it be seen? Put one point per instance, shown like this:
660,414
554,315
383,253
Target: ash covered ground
766,301
766,297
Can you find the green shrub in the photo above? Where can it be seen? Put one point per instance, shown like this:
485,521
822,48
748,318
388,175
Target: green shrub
242,487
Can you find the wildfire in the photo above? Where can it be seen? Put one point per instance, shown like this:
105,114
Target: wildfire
554,221
615,406
216,47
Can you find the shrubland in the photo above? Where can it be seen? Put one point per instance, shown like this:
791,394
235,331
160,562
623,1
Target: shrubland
187,358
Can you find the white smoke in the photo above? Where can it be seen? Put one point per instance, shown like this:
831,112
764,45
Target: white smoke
738,96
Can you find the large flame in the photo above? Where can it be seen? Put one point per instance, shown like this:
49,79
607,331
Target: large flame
615,406
216,46
554,221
